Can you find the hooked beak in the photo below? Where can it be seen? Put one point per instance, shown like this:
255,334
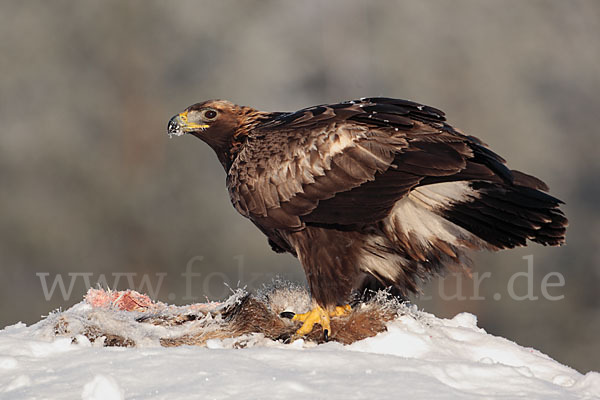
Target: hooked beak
179,125
174,127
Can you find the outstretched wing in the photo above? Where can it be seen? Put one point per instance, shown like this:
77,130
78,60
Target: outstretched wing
353,164
347,163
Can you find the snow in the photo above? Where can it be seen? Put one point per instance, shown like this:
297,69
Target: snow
100,388
419,355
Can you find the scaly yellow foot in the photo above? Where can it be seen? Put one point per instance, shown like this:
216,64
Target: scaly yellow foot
340,310
318,315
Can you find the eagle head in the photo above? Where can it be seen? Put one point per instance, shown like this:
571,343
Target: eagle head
220,123
213,121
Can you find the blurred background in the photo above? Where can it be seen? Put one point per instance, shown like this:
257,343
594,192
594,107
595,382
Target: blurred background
93,191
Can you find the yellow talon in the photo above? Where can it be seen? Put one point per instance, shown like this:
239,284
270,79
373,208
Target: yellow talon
340,310
319,315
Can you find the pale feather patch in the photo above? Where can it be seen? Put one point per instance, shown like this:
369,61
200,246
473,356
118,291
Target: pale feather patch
444,194
415,215
339,142
385,266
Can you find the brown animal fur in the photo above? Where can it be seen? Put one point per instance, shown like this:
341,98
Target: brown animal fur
249,315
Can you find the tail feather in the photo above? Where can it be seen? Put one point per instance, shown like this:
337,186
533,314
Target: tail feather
507,215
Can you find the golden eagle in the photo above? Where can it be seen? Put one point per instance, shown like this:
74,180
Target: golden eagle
370,193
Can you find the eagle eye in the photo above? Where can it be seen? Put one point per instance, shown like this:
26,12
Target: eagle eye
209,115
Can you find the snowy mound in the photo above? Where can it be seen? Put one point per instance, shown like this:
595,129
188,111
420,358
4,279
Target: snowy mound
417,356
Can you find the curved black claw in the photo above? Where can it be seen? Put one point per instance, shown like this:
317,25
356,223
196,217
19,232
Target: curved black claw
287,314
286,338
326,335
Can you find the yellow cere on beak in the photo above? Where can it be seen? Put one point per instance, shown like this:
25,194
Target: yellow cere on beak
187,125
180,125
